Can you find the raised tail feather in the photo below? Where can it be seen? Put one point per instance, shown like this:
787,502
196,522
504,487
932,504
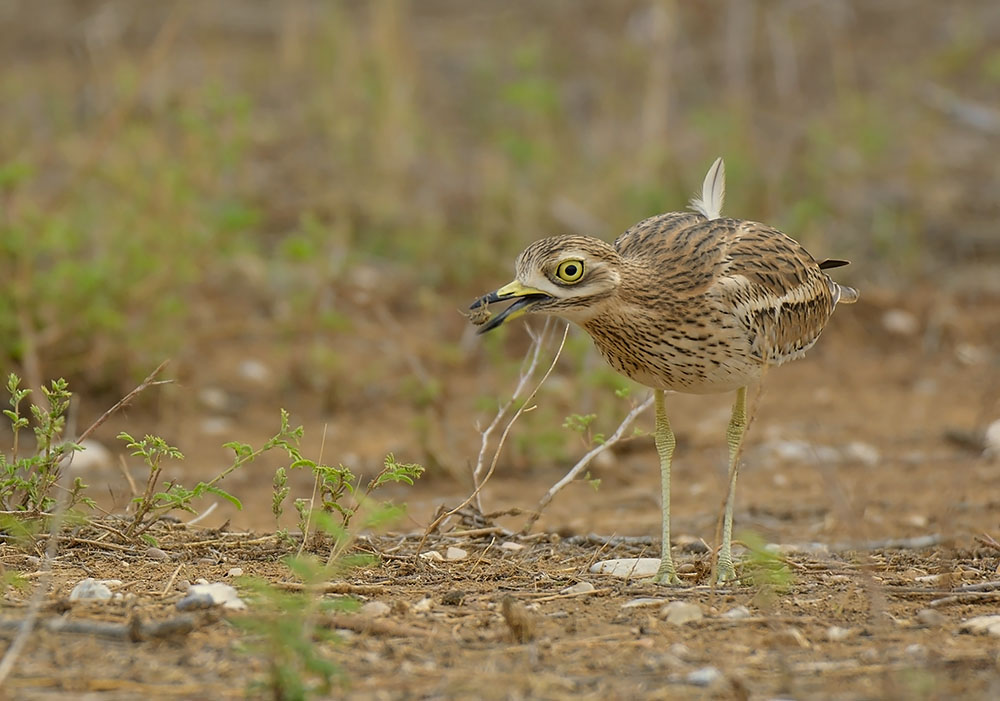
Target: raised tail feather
713,192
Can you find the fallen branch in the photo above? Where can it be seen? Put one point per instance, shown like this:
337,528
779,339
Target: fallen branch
134,630
334,588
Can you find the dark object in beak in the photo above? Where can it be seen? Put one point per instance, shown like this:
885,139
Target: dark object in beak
518,307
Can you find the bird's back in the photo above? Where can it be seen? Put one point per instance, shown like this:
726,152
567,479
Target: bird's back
716,300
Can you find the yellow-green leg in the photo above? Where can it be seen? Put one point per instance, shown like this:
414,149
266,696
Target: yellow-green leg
665,443
734,436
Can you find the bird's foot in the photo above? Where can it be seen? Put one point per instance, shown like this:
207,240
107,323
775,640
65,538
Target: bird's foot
726,572
666,576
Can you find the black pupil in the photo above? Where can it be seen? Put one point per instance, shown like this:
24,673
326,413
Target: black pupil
570,271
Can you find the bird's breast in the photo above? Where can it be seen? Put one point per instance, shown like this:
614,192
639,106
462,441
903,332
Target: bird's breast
699,354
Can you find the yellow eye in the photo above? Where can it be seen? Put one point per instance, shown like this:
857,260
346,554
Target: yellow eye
570,271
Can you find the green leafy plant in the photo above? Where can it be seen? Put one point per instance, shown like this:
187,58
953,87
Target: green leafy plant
764,569
290,630
27,483
152,504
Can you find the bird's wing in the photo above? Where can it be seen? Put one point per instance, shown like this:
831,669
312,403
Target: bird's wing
774,287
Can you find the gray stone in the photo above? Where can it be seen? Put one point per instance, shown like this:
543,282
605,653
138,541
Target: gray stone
578,588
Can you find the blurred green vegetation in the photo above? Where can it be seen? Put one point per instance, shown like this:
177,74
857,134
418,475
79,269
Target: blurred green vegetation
172,168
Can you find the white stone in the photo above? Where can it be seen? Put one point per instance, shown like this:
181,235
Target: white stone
982,624
628,567
235,572
375,609
865,453
423,606
216,425
214,398
90,589
432,555
453,553
216,593
737,612
705,676
578,588
900,322
254,371
512,546
991,441
680,612
93,457
836,634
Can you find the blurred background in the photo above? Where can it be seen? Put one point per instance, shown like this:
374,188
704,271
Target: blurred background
295,200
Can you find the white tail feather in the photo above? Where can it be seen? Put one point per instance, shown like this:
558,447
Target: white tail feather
713,192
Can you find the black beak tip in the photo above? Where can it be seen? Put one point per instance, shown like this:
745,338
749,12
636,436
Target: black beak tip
485,300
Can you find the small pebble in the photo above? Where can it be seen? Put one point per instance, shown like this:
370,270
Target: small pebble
642,602
156,554
578,588
453,553
930,617
900,322
90,589
681,652
235,572
991,441
191,602
869,656
375,609
705,676
836,634
512,546
737,612
423,606
432,555
680,612
255,371
916,650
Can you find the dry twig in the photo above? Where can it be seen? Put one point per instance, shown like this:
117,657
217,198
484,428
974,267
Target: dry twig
586,460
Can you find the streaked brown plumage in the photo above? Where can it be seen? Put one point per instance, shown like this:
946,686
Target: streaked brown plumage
688,304
686,301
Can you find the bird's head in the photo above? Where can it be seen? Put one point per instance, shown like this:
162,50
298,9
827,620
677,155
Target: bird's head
568,276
